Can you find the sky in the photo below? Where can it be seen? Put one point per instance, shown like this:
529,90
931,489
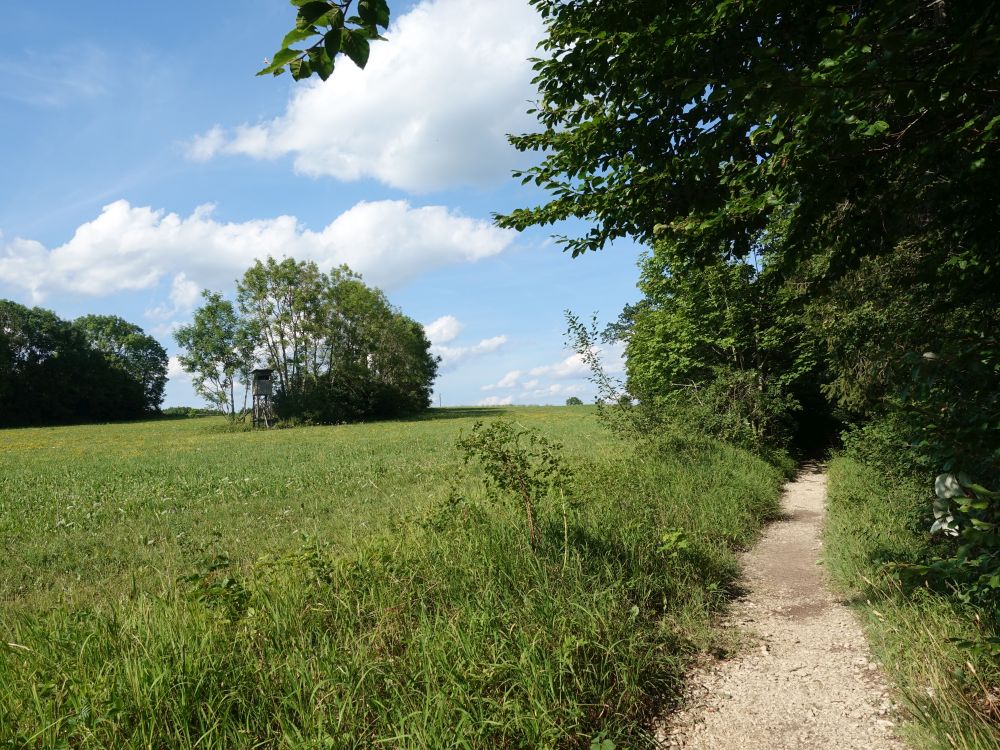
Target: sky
143,161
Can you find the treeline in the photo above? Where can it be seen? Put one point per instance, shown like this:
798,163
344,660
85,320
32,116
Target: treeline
93,369
339,350
817,188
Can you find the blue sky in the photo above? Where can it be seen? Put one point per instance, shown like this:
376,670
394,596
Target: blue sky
144,161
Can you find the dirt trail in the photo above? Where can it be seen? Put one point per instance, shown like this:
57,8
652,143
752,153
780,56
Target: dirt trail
807,681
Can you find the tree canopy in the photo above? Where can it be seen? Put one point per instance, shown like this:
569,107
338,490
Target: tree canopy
855,142
128,348
97,368
340,351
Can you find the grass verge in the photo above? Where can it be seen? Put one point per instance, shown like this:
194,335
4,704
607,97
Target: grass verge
449,632
952,693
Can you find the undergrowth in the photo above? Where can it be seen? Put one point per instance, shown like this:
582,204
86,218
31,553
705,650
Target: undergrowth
930,642
461,630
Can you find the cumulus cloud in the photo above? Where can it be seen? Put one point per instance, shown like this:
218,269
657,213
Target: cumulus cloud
507,381
443,332
553,382
131,248
203,147
184,295
444,329
175,371
431,110
452,355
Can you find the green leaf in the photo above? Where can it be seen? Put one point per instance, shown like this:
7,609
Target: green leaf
281,57
374,12
300,69
332,42
296,35
310,13
334,19
321,61
355,46
876,128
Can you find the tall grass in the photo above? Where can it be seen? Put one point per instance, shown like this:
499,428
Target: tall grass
447,631
952,693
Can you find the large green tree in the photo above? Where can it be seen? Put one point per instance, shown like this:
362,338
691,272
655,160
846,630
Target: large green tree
340,351
868,132
50,373
876,121
130,349
218,351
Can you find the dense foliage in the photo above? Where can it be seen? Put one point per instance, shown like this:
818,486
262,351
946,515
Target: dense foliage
727,343
98,368
816,185
129,349
340,352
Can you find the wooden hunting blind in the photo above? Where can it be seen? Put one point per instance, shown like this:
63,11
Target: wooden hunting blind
262,385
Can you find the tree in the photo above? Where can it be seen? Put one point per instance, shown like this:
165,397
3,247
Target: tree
340,351
865,133
727,341
50,374
283,306
700,119
574,401
218,351
128,348
329,30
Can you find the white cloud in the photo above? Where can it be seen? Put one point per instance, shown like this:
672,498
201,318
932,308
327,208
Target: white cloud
204,147
552,383
452,355
131,248
572,366
444,329
184,295
431,110
507,381
175,371
496,401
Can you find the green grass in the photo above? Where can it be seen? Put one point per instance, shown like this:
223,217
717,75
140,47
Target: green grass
170,584
953,694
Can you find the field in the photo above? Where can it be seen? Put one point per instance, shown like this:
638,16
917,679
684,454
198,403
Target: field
175,584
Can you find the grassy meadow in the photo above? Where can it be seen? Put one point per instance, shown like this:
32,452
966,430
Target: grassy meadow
952,693
173,584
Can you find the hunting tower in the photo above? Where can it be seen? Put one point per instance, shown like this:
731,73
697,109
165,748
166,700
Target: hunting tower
263,389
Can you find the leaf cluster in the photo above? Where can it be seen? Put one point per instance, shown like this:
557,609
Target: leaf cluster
329,28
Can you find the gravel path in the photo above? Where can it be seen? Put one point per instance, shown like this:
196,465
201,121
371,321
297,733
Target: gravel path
807,680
